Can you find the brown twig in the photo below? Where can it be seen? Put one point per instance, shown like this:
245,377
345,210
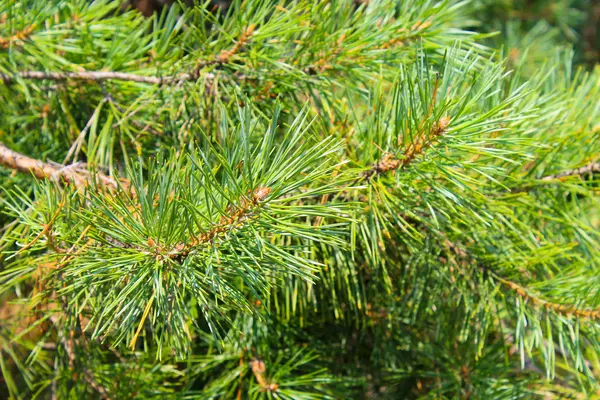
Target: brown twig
224,56
65,174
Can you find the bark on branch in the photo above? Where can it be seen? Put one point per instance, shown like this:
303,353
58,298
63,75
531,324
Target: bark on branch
591,168
100,76
65,174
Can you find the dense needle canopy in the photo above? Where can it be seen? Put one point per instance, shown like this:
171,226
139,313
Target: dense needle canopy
298,200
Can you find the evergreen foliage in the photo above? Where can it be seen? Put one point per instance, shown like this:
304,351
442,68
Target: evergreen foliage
298,200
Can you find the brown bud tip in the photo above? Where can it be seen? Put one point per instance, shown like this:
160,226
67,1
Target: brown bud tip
388,162
261,193
258,367
442,124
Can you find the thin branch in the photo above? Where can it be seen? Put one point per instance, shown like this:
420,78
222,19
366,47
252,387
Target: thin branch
591,168
66,174
222,58
101,76
225,56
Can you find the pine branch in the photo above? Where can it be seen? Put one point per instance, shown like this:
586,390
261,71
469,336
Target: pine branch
227,222
559,308
563,309
390,163
65,174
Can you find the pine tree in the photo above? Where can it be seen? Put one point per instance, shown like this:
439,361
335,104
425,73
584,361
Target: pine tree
297,200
